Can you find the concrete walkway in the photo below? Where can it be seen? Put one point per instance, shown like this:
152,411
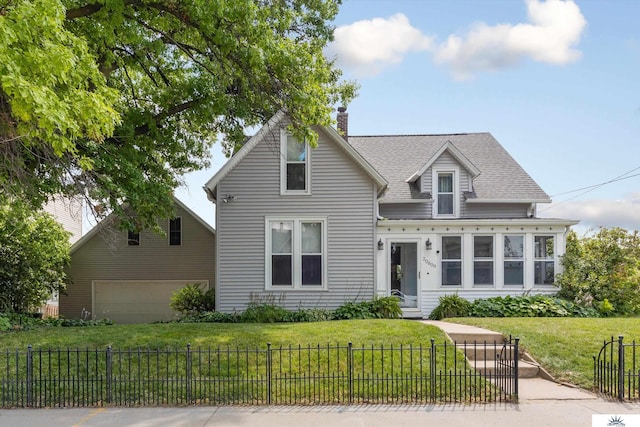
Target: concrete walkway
529,389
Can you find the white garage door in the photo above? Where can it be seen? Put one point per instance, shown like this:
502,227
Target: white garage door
136,301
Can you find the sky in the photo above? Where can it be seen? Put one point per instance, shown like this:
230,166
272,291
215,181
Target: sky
556,82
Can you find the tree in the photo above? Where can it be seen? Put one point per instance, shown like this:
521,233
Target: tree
603,269
116,100
34,250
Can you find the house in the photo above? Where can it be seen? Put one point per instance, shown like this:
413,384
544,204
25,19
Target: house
68,212
129,277
417,216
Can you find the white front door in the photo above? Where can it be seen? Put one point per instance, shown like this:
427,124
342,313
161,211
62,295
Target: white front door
404,274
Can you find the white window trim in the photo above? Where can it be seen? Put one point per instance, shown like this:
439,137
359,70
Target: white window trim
169,230
480,259
456,191
462,263
523,259
553,259
283,168
296,276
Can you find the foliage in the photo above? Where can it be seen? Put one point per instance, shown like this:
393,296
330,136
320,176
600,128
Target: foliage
450,306
378,308
263,313
192,300
528,306
210,317
117,100
5,323
34,249
603,267
563,346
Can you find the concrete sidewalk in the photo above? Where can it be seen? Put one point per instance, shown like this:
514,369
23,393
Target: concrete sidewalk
566,413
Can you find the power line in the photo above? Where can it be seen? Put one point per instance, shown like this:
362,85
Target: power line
591,188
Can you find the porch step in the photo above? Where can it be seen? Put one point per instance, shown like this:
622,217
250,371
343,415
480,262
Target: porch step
525,369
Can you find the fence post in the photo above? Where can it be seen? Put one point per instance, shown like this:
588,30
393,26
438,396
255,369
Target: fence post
516,357
29,375
189,373
350,370
432,369
620,368
108,360
269,373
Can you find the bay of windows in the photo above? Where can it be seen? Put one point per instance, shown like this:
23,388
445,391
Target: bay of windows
296,253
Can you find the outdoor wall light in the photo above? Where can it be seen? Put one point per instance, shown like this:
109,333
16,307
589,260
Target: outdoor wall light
380,245
427,244
228,198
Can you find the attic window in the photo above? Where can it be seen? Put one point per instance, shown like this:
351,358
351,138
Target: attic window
295,165
175,231
133,238
446,193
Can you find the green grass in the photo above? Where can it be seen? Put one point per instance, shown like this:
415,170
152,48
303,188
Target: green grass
381,356
563,346
359,332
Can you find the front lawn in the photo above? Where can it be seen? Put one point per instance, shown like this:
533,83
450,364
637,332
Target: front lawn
564,346
359,332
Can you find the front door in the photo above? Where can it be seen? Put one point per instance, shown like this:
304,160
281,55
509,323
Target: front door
404,273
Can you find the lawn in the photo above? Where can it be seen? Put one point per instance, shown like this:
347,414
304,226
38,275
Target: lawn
390,361
564,346
358,332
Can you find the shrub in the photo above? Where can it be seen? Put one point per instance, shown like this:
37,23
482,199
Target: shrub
529,306
450,306
378,308
264,313
192,300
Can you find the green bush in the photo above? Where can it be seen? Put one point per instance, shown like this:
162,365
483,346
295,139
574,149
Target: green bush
450,306
264,313
378,308
529,306
192,300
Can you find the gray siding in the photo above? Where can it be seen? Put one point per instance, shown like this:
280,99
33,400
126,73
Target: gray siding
496,210
340,191
405,210
67,212
106,256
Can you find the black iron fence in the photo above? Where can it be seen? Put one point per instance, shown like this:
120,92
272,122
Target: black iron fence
616,370
292,375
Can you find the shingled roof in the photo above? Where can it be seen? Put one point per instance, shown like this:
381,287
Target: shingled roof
399,157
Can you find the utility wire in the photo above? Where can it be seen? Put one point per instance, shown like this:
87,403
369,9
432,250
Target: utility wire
591,188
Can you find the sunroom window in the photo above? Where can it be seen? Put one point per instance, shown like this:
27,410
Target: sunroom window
514,260
451,260
544,264
483,260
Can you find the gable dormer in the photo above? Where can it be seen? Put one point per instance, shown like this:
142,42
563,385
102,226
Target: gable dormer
448,176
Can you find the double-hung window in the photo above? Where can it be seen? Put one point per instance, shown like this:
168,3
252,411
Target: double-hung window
445,193
513,260
296,253
483,260
133,238
175,231
544,263
451,260
295,170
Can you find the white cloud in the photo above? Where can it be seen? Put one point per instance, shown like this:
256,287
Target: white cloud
599,212
368,46
553,32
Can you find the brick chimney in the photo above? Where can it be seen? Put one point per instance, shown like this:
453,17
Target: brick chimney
343,122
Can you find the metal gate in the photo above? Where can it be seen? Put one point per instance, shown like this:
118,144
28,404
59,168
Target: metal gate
616,370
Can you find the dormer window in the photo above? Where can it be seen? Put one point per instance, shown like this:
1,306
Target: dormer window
294,171
445,183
